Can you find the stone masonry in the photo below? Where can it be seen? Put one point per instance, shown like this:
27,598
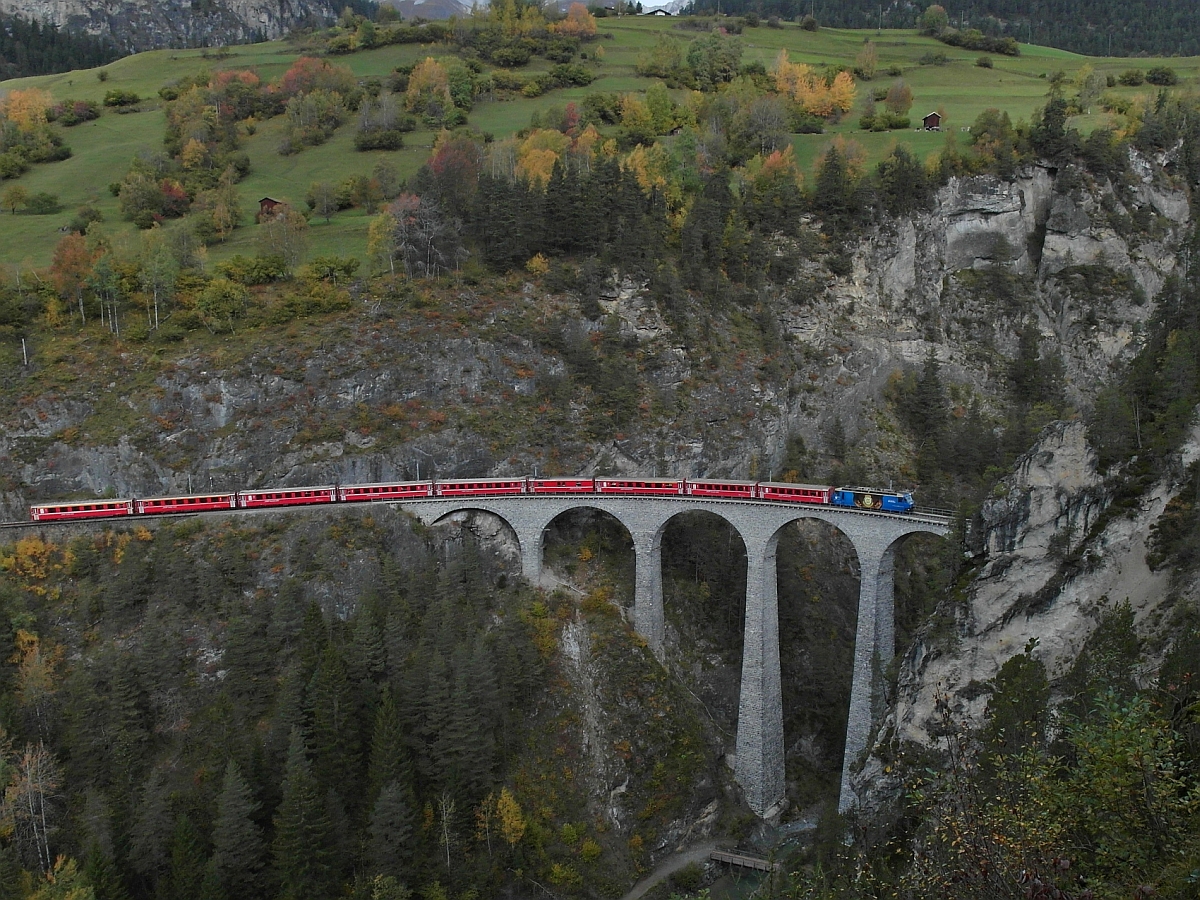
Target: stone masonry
759,766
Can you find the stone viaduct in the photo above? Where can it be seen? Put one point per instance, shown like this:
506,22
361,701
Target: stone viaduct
759,766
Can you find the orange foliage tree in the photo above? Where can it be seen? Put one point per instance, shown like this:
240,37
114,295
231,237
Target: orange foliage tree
810,91
579,22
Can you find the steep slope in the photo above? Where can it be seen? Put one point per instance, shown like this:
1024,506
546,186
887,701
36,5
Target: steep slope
153,24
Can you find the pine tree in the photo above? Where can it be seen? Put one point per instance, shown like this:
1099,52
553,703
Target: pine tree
314,635
130,715
336,743
150,835
391,830
11,877
248,666
237,843
104,876
390,758
187,863
303,845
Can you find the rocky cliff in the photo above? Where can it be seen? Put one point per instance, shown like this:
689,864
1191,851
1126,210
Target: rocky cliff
151,24
1051,510
462,384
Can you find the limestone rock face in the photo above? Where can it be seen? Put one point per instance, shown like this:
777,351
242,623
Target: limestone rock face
1019,594
149,24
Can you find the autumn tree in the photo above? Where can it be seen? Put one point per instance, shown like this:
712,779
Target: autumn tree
158,273
511,819
428,88
70,268
15,197
322,199
899,98
382,244
867,61
285,234
32,803
578,23
934,20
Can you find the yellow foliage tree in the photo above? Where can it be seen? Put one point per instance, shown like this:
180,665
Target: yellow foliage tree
27,109
429,81
843,91
194,154
537,154
512,820
809,90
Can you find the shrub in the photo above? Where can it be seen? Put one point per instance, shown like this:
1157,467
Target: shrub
1131,77
984,62
42,204
118,97
379,140
937,58
253,270
773,22
1163,76
808,23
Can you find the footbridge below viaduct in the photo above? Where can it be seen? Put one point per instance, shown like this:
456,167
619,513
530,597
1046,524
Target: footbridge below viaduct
759,766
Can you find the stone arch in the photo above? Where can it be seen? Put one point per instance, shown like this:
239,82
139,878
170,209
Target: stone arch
818,575
581,509
459,513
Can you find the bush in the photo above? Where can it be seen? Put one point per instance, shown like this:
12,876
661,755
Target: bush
984,62
118,98
43,204
1163,76
937,58
253,270
1131,77
84,217
511,57
808,23
773,22
379,140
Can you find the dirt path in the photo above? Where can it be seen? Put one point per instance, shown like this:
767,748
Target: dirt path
698,853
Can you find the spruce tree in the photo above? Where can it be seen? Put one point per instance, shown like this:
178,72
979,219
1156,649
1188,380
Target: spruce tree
187,863
336,743
104,876
390,758
237,843
303,847
391,830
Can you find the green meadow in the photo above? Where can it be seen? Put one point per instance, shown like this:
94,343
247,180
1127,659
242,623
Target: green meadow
102,149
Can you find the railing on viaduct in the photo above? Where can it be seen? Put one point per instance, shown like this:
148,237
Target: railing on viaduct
759,766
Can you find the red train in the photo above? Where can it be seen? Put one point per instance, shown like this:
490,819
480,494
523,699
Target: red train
853,497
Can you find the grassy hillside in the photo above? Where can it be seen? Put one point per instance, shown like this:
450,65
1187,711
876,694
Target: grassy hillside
103,148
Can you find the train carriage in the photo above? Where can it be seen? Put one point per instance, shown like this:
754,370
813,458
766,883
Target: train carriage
640,486
359,493
484,487
793,493
151,506
287,497
84,509
562,485
733,490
